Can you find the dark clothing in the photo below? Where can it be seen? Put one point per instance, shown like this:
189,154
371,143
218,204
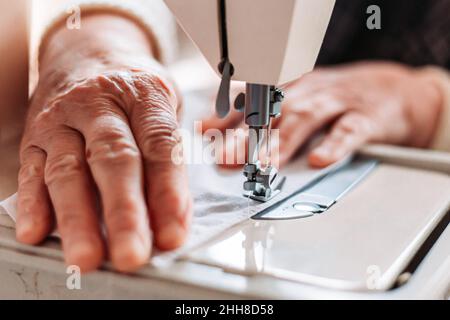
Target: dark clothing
414,32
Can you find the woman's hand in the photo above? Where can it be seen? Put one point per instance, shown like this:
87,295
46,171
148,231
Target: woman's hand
100,124
363,102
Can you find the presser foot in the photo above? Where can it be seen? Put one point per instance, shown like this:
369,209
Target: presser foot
264,198
262,184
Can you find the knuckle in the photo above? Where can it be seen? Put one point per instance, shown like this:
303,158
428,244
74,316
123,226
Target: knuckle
30,172
123,216
116,83
76,94
352,124
308,114
155,94
68,222
347,126
158,138
86,88
140,89
30,206
45,119
63,168
153,84
320,107
112,147
330,103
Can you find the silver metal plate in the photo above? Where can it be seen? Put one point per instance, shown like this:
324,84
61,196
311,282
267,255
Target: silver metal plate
321,195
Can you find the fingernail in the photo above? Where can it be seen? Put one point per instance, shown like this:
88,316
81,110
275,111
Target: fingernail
171,236
129,251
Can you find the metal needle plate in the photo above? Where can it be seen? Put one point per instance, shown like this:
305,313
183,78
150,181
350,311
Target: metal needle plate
321,195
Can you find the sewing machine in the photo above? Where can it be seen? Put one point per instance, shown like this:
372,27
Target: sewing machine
266,44
375,228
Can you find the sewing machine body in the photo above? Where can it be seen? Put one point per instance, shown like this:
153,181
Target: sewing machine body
375,239
269,42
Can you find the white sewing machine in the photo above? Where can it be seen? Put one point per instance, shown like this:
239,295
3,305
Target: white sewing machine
380,231
264,43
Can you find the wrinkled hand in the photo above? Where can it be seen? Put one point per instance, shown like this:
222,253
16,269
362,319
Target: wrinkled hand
359,103
102,126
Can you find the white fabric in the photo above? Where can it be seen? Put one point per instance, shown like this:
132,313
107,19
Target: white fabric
9,206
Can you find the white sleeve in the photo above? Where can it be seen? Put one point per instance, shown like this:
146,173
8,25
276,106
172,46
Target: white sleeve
152,15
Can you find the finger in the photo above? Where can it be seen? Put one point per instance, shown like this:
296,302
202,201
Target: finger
299,124
230,121
347,135
116,166
317,81
34,214
72,193
154,124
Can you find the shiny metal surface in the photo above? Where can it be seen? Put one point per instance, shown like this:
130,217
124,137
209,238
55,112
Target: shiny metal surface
364,240
322,194
262,103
